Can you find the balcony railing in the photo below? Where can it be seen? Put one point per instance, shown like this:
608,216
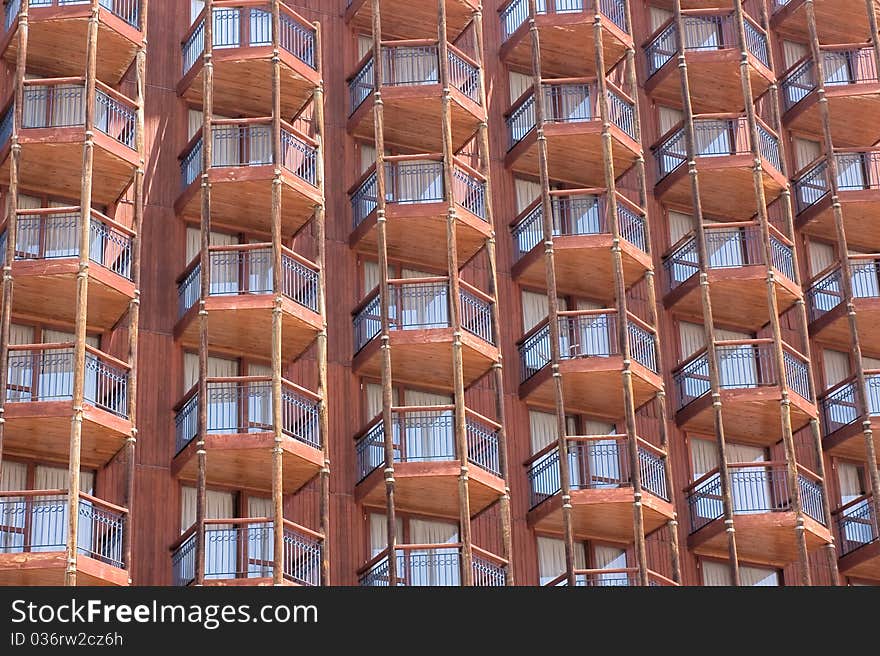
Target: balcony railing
249,27
586,334
127,10
423,304
516,12
856,524
756,488
247,269
703,33
843,65
417,179
35,521
610,577
248,142
427,434
595,462
856,171
243,404
53,233
44,372
729,246
718,135
742,364
432,565
568,102
840,405
826,292
244,548
414,63
577,212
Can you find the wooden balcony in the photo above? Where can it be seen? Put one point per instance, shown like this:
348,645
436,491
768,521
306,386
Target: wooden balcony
858,183
750,394
58,33
421,333
412,96
566,33
574,132
725,166
416,211
829,321
607,577
241,301
242,58
53,134
35,529
47,262
239,438
851,89
763,516
837,21
241,177
843,416
713,58
591,363
39,405
402,19
240,551
581,239
737,275
433,565
426,462
601,488
858,539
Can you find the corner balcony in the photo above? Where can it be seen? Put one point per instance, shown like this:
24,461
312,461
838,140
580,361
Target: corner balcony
581,238
33,550
610,578
47,262
851,89
750,394
412,96
240,301
601,488
241,174
725,164
843,415
426,462
421,334
591,363
58,32
737,274
858,539
240,551
39,406
763,516
858,183
416,210
713,58
827,312
240,439
242,58
433,565
837,21
573,130
566,33
53,133
403,19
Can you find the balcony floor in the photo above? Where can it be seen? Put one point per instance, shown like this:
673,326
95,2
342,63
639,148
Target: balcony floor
47,568
860,211
837,21
832,328
863,563
404,19
853,112
257,582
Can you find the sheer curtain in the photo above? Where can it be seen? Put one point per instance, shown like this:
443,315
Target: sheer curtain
750,486
611,558
704,458
737,365
225,270
260,539
56,377
223,399
20,373
259,400
604,457
220,539
13,477
49,513
439,566
379,533
429,435
857,528
718,574
551,558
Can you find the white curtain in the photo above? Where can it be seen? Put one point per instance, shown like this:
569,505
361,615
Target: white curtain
658,16
56,377
526,192
223,400
49,514
605,458
718,574
534,310
821,257
368,155
225,270
416,181
702,33
806,151
543,432
373,393
518,83
750,486
429,435
195,121
692,340
856,524
737,365
551,558
669,118
364,45
691,337
196,7
379,533
704,458
422,306
20,374
836,365
714,138
220,542
680,224
837,70
13,478
260,543
590,335
259,400
726,248
611,558
432,566
793,52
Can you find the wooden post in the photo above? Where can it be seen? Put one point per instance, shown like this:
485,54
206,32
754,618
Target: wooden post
875,36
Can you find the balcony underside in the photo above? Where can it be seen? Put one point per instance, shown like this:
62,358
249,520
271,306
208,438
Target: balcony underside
46,568
863,563
40,430
57,38
727,187
44,290
837,21
592,385
601,514
431,488
568,45
244,460
423,357
853,111
762,538
860,212
241,200
848,442
739,296
750,415
584,266
412,118
243,82
404,19
416,234
574,153
832,328
243,325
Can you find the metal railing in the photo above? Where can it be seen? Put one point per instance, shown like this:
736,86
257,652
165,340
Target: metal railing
842,65
127,10
431,565
6,122
826,292
856,524
856,171
840,405
243,405
516,12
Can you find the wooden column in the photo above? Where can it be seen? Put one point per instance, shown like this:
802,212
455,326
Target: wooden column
875,36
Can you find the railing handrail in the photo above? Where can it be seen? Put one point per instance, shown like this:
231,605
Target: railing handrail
55,346
195,262
285,127
101,503
285,383
855,502
763,464
76,80
421,157
386,552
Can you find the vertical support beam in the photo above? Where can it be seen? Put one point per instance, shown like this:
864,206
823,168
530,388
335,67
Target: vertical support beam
875,36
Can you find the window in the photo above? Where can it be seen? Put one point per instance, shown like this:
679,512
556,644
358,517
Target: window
718,574
551,558
436,565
